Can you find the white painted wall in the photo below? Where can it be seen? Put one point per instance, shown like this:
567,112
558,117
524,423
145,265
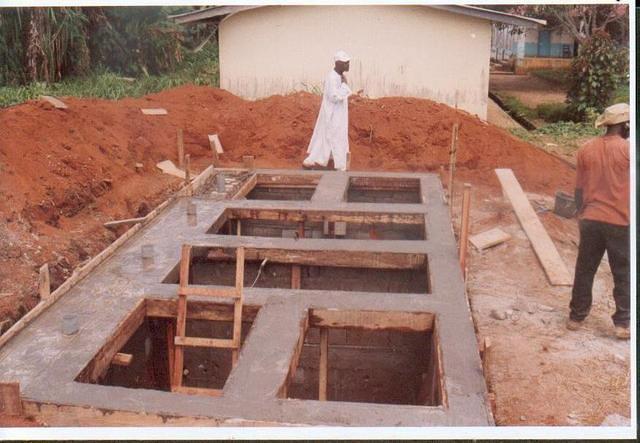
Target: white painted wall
396,51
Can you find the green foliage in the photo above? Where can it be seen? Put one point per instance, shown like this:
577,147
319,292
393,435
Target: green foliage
52,44
553,112
596,73
515,106
569,130
199,68
559,77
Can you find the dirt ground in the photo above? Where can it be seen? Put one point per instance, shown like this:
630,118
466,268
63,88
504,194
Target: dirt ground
530,90
64,173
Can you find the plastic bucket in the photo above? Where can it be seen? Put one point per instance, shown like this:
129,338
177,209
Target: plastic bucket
565,205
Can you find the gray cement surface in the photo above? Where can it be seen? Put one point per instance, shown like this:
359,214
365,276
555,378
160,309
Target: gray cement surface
46,363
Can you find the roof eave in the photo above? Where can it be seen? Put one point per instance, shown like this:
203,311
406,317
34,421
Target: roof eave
494,16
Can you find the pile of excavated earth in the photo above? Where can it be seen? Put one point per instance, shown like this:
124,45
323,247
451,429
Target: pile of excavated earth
65,172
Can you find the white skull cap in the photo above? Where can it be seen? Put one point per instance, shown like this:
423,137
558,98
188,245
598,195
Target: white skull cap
341,56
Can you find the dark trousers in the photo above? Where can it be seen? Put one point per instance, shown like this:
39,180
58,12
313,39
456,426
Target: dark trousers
595,238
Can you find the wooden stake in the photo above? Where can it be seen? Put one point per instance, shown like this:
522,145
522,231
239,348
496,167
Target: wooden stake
180,148
44,282
452,162
171,347
323,369
295,269
464,227
238,227
181,323
187,167
10,402
237,307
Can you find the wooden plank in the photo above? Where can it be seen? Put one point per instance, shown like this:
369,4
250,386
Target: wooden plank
154,111
373,320
320,216
246,187
10,401
180,148
168,167
299,180
74,416
197,391
181,321
464,228
122,332
216,146
171,347
57,103
452,161
544,248
187,169
385,183
207,291
126,221
199,309
121,359
336,258
237,308
323,368
201,342
489,238
44,282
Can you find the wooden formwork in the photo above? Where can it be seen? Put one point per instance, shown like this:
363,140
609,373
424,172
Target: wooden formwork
115,297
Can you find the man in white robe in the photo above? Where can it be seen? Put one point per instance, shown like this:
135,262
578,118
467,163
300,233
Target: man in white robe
331,134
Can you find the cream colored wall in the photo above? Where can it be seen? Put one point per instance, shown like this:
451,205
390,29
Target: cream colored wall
396,51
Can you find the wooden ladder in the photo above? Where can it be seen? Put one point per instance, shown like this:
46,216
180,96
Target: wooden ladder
181,340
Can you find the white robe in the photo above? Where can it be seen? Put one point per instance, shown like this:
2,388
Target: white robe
331,134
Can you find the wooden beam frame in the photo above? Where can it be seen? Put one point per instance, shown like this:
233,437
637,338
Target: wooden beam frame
121,334
324,364
335,258
318,216
372,320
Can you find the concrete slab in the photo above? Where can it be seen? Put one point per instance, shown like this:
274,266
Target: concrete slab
47,364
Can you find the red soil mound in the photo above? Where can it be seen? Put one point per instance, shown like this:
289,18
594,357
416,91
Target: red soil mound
64,172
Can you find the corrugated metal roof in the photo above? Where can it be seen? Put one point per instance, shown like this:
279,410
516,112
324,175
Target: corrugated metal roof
216,12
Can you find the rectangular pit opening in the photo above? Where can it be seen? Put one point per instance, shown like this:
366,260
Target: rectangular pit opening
371,357
282,223
284,187
147,349
384,190
388,272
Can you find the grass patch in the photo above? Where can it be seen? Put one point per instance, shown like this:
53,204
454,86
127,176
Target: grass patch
516,106
561,137
559,77
197,68
548,112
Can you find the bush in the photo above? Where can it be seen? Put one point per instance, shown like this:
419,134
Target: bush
553,112
596,73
